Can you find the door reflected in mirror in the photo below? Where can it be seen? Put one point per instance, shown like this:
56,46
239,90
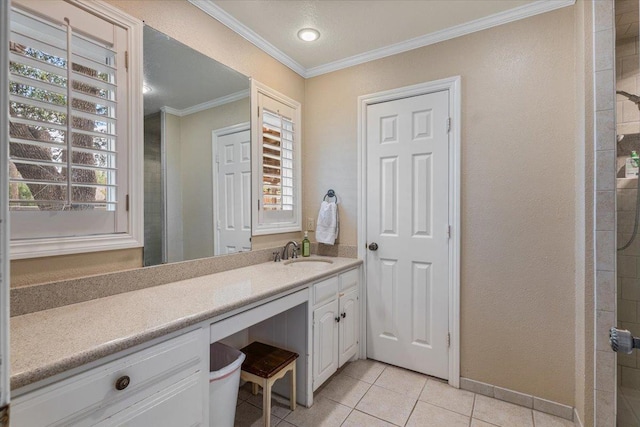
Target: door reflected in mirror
197,151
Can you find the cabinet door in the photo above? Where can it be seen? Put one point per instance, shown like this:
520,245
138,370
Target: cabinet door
349,322
325,342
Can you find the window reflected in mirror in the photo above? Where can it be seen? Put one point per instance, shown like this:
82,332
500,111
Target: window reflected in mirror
277,162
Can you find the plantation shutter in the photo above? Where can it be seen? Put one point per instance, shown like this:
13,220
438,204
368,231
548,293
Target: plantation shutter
67,164
277,204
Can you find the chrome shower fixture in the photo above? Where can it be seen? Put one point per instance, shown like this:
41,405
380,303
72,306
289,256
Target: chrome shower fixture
622,341
633,98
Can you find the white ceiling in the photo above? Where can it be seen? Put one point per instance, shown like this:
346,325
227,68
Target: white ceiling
355,31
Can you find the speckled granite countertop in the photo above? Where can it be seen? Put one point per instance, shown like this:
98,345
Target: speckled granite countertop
49,342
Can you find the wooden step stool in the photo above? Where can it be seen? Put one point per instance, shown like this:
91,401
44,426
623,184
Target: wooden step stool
263,365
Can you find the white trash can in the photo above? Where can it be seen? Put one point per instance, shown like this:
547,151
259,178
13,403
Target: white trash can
224,380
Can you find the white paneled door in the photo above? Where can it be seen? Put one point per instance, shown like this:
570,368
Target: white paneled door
234,193
407,232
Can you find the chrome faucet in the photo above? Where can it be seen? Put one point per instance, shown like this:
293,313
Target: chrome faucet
285,250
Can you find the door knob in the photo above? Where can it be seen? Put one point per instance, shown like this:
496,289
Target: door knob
373,246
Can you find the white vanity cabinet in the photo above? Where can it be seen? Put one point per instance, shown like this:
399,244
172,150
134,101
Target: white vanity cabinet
162,385
336,323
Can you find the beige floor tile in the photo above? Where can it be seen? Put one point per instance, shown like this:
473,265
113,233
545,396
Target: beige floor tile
345,390
387,405
402,381
428,415
364,370
541,419
501,413
244,393
360,419
248,415
279,405
283,423
443,395
324,412
478,423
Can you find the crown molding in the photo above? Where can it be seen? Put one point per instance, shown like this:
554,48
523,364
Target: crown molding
171,111
215,11
209,104
515,14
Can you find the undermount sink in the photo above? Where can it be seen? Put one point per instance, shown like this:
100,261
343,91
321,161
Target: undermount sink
314,262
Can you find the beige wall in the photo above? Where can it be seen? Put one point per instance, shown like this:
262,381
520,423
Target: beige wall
518,148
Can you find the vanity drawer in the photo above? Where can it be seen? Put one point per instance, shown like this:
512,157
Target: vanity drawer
349,279
325,290
86,398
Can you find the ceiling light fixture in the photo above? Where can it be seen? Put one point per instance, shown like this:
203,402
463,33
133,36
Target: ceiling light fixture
308,34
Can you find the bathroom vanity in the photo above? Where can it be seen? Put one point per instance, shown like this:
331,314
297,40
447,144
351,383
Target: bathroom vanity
142,357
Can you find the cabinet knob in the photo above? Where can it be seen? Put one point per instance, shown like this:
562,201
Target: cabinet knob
123,382
338,319
343,315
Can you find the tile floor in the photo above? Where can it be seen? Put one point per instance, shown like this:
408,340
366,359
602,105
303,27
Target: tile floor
628,407
366,393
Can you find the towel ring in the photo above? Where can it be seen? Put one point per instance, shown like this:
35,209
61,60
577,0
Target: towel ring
330,194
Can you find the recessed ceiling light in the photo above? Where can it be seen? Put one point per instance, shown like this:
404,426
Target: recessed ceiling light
146,89
308,34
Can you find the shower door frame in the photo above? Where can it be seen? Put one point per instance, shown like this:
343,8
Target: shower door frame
5,7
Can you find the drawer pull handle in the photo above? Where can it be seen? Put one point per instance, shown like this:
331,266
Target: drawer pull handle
123,382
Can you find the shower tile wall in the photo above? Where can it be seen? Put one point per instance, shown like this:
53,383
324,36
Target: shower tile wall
627,124
152,191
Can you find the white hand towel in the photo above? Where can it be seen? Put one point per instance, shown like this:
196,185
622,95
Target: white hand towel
327,227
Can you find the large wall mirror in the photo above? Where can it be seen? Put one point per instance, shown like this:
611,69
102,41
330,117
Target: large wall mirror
197,163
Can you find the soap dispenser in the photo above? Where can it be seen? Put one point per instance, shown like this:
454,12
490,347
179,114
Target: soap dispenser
306,245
